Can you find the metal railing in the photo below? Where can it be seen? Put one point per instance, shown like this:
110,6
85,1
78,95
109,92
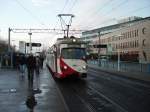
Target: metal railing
124,65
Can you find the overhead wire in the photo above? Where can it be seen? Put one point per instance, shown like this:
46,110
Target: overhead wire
66,2
30,13
110,11
119,5
61,11
62,21
104,5
139,9
136,10
73,5
100,9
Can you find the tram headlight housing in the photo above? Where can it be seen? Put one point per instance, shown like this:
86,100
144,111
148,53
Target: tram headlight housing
84,67
74,40
65,67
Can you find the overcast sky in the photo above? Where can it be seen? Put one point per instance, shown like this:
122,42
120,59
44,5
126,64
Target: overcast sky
89,14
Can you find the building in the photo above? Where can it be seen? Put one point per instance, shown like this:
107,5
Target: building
129,39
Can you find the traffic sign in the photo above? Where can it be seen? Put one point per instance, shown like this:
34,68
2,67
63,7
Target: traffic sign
100,46
34,44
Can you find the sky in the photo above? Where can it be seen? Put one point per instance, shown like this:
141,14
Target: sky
89,14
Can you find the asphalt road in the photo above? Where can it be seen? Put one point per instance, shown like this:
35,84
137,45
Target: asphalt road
105,92
99,92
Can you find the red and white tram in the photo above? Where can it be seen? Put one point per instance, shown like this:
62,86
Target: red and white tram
67,58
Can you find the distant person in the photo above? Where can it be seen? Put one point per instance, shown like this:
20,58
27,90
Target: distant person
31,65
22,63
6,58
41,62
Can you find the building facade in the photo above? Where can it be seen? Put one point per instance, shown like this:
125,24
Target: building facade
131,40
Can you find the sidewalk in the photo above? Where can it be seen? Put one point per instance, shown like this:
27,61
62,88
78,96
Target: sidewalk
133,75
13,93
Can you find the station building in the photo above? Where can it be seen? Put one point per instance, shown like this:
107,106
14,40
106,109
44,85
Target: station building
130,39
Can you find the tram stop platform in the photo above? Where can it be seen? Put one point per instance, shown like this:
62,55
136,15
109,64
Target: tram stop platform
13,93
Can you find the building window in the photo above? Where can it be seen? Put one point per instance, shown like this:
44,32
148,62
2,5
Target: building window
128,34
137,32
132,34
137,42
125,35
144,43
144,31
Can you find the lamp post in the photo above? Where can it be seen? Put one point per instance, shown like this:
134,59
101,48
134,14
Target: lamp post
30,45
9,30
13,44
118,52
99,61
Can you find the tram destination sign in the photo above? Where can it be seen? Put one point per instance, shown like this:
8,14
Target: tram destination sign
34,44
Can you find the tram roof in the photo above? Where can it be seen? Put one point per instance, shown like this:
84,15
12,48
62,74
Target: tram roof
70,40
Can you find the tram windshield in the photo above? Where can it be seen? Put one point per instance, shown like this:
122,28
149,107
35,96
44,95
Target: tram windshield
73,53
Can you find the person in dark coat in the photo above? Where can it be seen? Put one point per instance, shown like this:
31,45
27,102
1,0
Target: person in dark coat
37,71
22,63
41,62
31,65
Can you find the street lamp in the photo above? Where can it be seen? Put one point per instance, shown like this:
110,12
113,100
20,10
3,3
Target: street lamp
118,53
99,42
13,45
30,41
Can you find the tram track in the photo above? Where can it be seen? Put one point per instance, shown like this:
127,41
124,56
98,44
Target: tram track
87,105
73,100
98,101
121,109
96,94
132,97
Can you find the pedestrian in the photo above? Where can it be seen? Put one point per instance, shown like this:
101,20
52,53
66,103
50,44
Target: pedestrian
22,63
37,71
41,61
31,64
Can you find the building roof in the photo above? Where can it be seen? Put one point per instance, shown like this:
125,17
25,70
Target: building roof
115,26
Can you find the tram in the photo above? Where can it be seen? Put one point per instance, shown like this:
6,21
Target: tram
67,58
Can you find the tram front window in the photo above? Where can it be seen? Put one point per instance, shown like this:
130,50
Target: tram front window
73,53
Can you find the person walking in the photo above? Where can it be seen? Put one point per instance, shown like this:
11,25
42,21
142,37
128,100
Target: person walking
41,61
37,71
31,65
22,63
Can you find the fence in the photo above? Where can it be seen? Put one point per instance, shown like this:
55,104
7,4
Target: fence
124,66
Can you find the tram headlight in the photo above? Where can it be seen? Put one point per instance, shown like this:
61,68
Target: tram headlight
65,67
74,40
84,67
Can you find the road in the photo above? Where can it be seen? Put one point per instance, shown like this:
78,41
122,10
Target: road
105,92
99,92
